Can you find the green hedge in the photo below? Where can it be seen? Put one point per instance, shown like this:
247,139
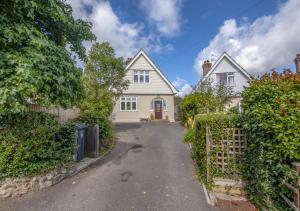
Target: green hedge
271,118
197,137
34,143
105,126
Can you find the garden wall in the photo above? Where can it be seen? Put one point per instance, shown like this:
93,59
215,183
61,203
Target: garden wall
12,187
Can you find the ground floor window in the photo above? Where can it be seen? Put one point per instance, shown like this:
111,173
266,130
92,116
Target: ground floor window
128,103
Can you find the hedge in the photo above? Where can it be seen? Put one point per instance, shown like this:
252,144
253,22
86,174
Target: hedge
105,126
34,143
197,137
271,118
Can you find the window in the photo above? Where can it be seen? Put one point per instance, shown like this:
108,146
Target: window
147,76
128,103
230,79
165,108
141,76
226,79
135,76
164,105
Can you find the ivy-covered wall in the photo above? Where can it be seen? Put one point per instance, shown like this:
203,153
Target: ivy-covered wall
271,118
196,136
34,143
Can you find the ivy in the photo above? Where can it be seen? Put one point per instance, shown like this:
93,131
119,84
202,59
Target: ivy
34,143
271,118
196,135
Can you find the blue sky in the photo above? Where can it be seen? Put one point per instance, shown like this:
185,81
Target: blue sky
179,34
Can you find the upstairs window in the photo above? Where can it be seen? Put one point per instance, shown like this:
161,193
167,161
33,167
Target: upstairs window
128,103
141,76
225,79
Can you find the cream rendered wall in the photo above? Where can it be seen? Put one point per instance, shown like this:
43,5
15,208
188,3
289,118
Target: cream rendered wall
226,66
143,108
157,85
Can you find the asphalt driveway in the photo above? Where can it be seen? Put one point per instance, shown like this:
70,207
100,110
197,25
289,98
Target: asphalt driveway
150,169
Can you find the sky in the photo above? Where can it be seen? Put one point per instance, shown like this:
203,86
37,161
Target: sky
180,34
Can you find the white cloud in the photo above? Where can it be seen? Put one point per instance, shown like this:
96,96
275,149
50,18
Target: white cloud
183,86
268,42
165,14
125,38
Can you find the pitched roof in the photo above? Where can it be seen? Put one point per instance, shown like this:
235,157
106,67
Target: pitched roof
142,52
237,65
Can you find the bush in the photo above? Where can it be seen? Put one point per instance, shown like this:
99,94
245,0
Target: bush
34,143
207,98
105,126
197,137
271,118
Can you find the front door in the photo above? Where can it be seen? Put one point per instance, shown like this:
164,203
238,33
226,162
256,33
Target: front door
158,109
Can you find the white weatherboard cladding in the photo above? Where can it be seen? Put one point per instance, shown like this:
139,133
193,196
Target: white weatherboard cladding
225,66
141,64
157,84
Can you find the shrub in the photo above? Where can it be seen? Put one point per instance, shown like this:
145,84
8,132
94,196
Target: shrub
207,98
34,143
271,118
151,116
105,126
197,137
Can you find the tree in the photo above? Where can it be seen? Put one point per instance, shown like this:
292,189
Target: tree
207,98
34,61
103,79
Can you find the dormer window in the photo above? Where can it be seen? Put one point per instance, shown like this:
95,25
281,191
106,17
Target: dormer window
225,79
141,76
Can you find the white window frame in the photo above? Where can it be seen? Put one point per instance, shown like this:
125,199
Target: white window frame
131,101
164,104
228,75
142,73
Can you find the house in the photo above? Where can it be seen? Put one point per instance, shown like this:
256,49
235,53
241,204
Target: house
150,93
227,72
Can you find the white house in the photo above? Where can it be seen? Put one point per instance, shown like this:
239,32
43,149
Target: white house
149,93
226,71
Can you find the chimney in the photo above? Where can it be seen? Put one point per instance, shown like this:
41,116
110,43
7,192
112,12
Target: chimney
297,62
128,61
206,66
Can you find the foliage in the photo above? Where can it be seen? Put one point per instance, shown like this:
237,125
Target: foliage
178,113
206,99
272,119
197,137
103,79
151,116
34,143
105,126
34,61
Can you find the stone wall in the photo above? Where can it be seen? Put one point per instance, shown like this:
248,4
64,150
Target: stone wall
12,187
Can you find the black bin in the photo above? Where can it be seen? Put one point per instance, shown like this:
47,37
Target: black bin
81,138
92,141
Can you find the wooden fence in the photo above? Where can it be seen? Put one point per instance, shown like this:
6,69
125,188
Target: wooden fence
295,188
232,145
63,114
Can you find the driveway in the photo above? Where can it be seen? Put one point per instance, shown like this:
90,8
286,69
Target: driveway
149,169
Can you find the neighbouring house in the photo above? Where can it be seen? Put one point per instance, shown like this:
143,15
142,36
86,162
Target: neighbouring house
149,93
227,72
